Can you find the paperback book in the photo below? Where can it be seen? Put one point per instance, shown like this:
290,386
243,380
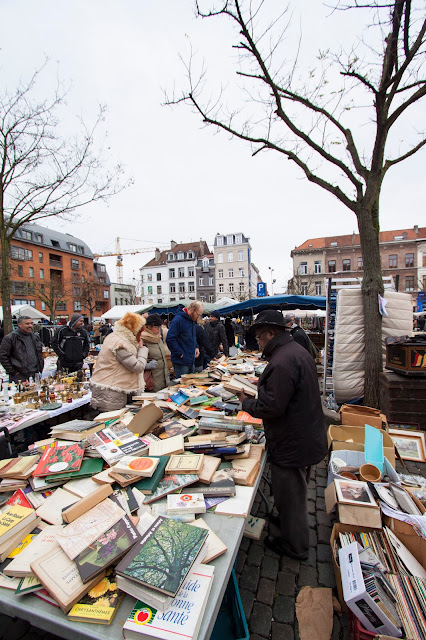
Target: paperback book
115,442
143,466
59,460
171,483
221,485
185,503
185,463
100,604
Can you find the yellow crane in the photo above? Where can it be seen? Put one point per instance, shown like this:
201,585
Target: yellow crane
119,253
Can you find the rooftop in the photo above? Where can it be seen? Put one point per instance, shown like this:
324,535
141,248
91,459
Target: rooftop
199,249
45,237
399,235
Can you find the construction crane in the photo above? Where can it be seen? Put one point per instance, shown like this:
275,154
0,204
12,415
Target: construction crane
119,253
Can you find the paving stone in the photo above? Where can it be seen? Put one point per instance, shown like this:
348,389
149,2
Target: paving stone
326,575
312,507
324,534
321,504
321,473
260,620
323,518
307,577
281,631
313,538
312,484
312,559
336,628
266,591
255,555
312,521
290,564
247,599
320,492
321,482
254,636
312,494
286,584
284,609
245,544
241,558
324,553
269,568
250,577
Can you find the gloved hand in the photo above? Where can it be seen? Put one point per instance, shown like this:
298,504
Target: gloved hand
151,365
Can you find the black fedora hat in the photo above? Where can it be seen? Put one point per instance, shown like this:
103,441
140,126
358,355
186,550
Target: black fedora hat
268,318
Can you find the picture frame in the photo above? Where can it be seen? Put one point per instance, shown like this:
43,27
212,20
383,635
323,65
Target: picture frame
409,444
354,492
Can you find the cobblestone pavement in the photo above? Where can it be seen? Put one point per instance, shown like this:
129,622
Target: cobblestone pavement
268,584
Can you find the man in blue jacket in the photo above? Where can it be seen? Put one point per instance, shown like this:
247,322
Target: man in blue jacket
182,340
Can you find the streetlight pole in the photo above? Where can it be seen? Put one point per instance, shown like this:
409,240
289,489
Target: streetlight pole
272,280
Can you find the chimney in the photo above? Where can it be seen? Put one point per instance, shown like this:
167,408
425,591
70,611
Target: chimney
157,253
172,244
201,247
416,228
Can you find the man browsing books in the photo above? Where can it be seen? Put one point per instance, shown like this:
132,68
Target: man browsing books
182,340
289,404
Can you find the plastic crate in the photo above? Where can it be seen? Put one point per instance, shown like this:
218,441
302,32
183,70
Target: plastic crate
356,630
231,621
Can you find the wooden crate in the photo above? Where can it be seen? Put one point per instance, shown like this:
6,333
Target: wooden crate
403,399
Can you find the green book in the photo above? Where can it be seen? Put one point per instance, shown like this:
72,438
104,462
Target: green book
149,485
88,468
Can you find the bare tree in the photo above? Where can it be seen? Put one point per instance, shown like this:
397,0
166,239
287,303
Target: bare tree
301,285
91,294
52,292
41,174
315,123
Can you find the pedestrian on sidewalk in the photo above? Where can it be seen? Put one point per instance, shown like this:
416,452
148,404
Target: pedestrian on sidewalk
289,404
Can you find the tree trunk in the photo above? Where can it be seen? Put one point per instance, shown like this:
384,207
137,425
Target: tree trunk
5,282
372,286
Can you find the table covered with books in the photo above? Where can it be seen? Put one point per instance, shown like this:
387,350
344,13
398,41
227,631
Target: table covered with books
136,517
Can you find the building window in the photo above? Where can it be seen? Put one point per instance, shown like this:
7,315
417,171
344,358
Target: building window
172,287
171,256
172,273
303,269
181,255
27,235
39,237
409,259
41,274
160,301
40,257
424,259
158,277
31,272
201,282
238,239
240,256
205,262
317,266
241,273
75,264
210,281
83,265
150,291
159,290
172,299
181,287
28,255
221,288
43,306
106,294
220,257
191,287
231,287
77,305
393,261
181,272
219,241
229,239
360,264
20,270
190,272
149,277
318,289
304,288
73,247
333,244
346,264
230,256
409,283
101,268
76,291
230,273
241,287
17,253
220,273
331,266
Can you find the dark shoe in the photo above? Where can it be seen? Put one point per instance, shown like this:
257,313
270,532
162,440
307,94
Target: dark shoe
275,544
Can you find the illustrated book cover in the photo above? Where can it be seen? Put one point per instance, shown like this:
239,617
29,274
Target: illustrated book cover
15,518
222,483
114,442
59,459
185,503
100,604
149,485
142,466
171,483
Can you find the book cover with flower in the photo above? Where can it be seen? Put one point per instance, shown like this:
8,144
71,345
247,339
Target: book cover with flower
100,604
106,549
59,460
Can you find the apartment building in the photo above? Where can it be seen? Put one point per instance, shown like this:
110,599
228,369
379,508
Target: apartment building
205,278
171,275
233,267
403,256
123,294
46,263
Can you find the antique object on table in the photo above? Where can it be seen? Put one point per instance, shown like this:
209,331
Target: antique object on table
50,406
407,355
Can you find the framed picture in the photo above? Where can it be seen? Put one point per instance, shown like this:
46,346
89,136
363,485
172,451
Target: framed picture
354,492
410,444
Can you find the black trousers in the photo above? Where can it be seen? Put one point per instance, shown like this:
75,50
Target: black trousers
290,490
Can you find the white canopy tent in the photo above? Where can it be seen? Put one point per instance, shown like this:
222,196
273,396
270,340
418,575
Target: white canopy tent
25,310
117,312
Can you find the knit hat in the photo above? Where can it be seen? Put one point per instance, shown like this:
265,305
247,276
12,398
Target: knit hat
153,320
132,321
215,314
75,318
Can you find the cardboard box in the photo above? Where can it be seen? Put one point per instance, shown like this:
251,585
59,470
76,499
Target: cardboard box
351,513
358,416
356,459
351,438
78,508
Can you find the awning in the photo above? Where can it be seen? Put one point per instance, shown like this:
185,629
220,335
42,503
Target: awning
117,312
283,302
25,310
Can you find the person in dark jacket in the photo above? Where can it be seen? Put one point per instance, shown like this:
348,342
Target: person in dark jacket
71,344
230,332
21,352
105,329
289,404
182,340
216,333
205,347
299,335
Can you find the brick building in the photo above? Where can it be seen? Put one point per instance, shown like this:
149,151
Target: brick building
403,256
43,261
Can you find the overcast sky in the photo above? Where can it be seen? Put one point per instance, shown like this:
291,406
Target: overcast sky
189,181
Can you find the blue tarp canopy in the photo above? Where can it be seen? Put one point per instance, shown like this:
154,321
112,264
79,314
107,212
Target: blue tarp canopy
284,302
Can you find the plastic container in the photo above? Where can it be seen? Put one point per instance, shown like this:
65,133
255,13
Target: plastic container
231,621
356,630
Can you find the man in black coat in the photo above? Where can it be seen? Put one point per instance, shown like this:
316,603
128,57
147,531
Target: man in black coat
216,333
71,344
289,404
299,334
21,352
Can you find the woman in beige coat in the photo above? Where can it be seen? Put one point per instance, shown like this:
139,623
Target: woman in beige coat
156,352
119,365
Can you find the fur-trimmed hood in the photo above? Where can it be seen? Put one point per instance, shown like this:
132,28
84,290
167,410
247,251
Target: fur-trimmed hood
126,335
132,321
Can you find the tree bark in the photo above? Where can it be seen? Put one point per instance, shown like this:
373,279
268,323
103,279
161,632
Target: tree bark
5,282
372,286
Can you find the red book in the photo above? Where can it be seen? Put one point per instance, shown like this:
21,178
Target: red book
19,498
59,460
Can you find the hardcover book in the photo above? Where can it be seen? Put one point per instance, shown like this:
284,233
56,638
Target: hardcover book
137,466
106,549
170,484
13,520
182,620
100,604
185,463
89,466
153,598
18,467
221,485
210,466
116,441
41,544
52,507
215,546
164,555
59,459
175,428
222,424
149,485
185,503
19,498
28,585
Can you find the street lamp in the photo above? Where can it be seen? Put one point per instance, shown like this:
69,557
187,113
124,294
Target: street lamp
273,281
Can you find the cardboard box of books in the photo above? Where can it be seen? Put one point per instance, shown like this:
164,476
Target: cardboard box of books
357,415
354,502
351,438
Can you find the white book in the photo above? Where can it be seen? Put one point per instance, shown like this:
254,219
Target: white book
182,619
142,466
82,487
52,507
44,542
215,546
239,505
153,598
185,503
167,447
